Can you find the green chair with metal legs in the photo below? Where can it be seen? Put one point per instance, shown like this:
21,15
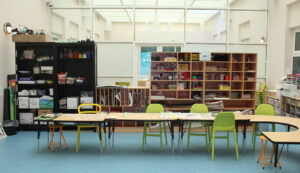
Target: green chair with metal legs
224,121
155,108
262,109
199,108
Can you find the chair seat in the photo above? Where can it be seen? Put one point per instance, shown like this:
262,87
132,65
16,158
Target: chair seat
263,138
55,125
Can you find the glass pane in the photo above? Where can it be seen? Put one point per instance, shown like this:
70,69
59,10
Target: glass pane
70,3
261,55
113,25
178,49
205,48
249,4
145,3
297,41
99,3
145,63
206,4
206,26
148,49
247,26
170,3
115,63
159,25
71,24
168,49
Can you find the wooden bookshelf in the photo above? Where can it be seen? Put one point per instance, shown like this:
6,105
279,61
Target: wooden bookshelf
186,80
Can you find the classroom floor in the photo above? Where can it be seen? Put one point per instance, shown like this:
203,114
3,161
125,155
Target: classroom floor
18,154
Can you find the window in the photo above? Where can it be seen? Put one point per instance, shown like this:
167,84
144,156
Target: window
145,59
171,49
297,41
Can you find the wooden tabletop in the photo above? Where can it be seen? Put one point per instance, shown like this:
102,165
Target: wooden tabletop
80,118
141,117
280,137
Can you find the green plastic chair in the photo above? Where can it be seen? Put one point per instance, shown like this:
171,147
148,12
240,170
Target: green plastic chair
260,94
155,108
224,121
199,108
262,109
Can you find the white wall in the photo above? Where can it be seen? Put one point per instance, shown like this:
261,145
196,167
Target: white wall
31,13
282,19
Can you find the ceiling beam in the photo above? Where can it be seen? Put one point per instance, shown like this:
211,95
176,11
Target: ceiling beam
127,13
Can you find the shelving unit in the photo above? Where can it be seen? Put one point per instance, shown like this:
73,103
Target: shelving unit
29,64
123,99
290,107
78,59
181,79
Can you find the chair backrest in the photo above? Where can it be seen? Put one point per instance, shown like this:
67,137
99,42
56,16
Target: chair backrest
98,108
155,108
262,87
199,108
224,120
264,109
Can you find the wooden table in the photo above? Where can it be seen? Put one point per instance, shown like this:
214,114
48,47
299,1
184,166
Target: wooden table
76,118
142,117
280,137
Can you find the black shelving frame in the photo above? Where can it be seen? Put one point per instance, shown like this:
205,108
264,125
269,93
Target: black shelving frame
75,67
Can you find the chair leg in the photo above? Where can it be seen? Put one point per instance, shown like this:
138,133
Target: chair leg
209,137
227,141
165,130
189,135
213,146
78,138
144,135
236,146
206,142
254,136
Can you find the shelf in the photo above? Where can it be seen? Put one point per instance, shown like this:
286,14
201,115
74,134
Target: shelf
22,109
75,85
196,80
217,71
185,90
163,80
165,61
163,90
237,62
236,80
250,62
163,71
217,61
217,90
75,59
217,80
196,89
35,85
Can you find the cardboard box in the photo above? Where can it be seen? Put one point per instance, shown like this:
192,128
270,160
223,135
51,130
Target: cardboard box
44,111
31,38
72,102
34,103
26,118
24,102
86,100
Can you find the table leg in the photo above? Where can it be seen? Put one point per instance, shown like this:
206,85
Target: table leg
287,146
179,134
104,130
109,133
38,136
48,131
113,133
276,156
171,126
244,136
182,133
99,133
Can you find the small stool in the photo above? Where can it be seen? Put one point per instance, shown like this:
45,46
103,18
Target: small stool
61,135
262,155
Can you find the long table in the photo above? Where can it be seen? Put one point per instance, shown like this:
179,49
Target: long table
275,137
